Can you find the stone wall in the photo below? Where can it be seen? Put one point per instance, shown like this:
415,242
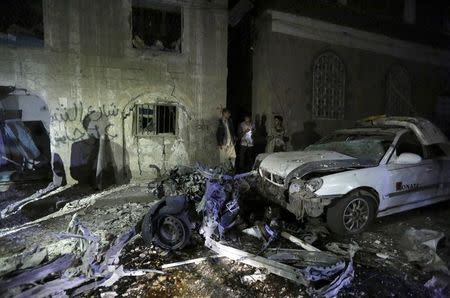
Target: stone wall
283,72
88,65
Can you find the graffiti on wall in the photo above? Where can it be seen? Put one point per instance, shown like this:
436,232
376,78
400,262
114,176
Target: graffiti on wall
69,121
90,131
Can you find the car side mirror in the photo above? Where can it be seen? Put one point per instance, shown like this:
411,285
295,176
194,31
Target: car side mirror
408,158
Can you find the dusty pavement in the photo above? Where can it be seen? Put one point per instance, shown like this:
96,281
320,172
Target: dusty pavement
117,210
374,276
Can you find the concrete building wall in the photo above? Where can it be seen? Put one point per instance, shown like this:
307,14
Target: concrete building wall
88,65
283,73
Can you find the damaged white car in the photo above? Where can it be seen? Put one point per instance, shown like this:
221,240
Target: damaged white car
385,165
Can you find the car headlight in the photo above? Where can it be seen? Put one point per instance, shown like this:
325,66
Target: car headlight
296,186
314,184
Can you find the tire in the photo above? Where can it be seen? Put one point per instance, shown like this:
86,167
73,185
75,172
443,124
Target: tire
147,228
167,231
352,214
172,233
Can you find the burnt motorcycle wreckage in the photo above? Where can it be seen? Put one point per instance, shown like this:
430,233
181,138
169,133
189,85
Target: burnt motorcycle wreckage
202,200
208,202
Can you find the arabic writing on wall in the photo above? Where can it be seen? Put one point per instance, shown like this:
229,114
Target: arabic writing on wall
69,120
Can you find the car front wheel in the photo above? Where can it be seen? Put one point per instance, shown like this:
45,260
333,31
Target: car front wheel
352,214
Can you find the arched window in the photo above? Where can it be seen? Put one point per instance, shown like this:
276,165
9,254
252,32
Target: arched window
328,87
398,92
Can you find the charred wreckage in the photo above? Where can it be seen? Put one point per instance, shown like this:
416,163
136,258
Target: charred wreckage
215,207
337,178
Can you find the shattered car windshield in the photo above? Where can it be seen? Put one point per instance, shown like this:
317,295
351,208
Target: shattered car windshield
358,145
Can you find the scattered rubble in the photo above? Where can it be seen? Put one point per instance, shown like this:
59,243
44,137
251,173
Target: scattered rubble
91,265
420,247
193,261
15,207
252,278
439,286
181,181
69,208
220,208
280,258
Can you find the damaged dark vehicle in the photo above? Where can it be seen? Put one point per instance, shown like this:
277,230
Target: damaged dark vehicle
24,153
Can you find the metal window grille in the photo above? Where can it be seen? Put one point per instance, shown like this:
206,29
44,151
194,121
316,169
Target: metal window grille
154,119
328,87
22,22
398,92
166,116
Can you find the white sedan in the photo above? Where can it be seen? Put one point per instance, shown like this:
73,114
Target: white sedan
385,165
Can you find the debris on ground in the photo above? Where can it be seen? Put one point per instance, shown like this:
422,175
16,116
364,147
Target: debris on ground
166,225
195,242
181,181
192,261
91,265
303,257
420,247
15,207
439,286
252,278
69,208
382,255
299,242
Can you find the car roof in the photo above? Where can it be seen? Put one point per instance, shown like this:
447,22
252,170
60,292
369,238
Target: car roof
392,130
426,131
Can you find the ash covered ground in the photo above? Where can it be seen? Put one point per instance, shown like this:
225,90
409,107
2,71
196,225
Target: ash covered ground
381,266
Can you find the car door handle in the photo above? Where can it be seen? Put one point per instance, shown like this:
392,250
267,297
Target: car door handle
428,170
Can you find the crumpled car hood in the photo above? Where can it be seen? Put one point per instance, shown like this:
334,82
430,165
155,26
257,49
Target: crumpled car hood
283,163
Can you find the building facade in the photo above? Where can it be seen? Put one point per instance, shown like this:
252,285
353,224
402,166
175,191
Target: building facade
149,77
312,67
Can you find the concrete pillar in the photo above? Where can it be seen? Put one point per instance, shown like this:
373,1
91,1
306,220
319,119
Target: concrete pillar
409,12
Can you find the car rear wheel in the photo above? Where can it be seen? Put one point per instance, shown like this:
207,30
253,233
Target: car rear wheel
352,214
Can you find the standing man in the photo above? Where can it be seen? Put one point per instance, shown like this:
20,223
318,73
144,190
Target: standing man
246,130
277,136
225,140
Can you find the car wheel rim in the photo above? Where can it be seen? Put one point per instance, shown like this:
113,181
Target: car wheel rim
356,215
171,231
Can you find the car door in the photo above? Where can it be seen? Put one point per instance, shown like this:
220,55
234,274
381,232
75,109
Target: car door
408,184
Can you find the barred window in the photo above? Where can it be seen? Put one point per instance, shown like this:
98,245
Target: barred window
398,92
156,27
328,87
22,23
154,119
